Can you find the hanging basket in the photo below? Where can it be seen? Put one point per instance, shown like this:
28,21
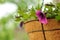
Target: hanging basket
35,31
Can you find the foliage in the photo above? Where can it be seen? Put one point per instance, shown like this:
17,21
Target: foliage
24,12
58,11
51,10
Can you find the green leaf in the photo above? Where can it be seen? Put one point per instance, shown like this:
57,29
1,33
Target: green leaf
25,16
58,4
57,17
38,7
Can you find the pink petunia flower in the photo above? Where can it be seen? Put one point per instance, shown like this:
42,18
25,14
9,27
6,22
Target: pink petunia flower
41,16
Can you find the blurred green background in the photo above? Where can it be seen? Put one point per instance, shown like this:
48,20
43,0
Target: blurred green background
9,28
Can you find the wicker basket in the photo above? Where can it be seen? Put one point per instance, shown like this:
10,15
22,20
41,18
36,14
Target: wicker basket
35,31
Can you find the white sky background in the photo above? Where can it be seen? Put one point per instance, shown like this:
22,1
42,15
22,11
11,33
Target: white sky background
8,8
47,1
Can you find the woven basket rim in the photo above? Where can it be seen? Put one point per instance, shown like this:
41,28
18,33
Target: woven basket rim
33,20
30,21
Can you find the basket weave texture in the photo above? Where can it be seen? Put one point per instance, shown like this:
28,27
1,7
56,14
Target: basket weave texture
35,32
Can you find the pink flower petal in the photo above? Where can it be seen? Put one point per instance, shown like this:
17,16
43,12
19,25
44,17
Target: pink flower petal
41,17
